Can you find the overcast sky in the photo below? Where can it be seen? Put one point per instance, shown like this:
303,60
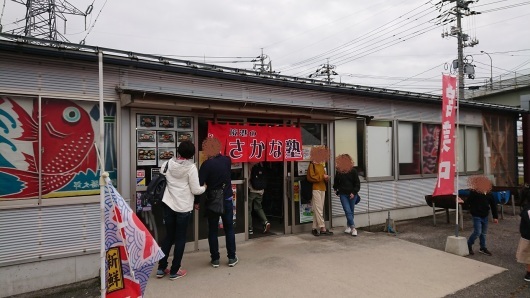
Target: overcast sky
393,44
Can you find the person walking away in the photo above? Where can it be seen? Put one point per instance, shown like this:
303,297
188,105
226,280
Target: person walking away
257,185
177,203
523,249
316,174
347,185
215,172
480,201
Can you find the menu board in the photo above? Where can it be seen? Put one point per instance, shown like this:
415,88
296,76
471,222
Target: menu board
158,137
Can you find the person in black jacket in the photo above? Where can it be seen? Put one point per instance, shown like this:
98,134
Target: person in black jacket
523,249
347,185
480,201
215,172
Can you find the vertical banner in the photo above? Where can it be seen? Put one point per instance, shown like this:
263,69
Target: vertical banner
275,143
446,163
257,143
292,143
219,131
237,143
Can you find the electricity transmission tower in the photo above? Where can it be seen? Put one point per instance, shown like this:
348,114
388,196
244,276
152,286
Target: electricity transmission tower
325,70
41,18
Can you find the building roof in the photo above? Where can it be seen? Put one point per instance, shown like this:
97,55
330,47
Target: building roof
49,48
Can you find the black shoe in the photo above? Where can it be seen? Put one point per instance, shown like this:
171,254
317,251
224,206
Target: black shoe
315,232
470,249
485,251
527,276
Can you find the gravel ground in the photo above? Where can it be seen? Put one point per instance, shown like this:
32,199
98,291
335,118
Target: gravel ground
501,241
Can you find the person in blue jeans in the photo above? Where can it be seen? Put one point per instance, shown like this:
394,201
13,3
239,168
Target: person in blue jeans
480,201
182,184
216,173
347,185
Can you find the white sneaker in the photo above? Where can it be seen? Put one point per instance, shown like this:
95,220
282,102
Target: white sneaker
354,232
348,230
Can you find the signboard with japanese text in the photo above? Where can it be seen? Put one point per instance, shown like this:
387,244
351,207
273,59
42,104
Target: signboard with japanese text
446,163
252,143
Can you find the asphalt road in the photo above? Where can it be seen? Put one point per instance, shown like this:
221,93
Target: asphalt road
502,242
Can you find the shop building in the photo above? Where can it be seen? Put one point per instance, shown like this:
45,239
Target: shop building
49,114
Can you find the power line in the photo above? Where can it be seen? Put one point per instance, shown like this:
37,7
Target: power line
360,38
93,24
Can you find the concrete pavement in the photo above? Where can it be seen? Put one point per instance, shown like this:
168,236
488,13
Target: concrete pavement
369,265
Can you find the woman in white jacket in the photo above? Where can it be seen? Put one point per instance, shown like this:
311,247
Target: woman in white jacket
182,184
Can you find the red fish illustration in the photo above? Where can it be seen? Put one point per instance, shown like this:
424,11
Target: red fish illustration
67,139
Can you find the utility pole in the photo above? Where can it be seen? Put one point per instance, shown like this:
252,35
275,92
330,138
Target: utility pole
326,70
460,52
461,9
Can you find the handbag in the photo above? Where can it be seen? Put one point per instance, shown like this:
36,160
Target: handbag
357,199
215,201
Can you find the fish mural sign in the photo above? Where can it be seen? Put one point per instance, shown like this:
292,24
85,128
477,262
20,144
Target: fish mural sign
67,164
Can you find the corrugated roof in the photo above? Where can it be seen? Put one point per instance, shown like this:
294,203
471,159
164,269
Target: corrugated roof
30,45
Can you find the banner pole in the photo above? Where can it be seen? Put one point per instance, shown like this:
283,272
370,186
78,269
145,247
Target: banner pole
103,275
456,156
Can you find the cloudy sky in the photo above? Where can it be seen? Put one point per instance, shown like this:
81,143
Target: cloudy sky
392,44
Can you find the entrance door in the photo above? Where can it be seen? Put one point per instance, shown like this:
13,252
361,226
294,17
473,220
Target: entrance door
272,202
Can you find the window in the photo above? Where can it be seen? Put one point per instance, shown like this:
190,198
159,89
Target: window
469,148
57,159
473,149
409,148
430,143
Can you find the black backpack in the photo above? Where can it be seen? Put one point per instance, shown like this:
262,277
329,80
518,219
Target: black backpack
258,177
155,190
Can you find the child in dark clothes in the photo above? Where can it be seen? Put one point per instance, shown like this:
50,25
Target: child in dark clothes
480,202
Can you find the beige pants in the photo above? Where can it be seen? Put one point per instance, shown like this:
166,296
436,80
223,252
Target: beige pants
318,209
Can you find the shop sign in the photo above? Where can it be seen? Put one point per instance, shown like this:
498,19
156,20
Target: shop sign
252,143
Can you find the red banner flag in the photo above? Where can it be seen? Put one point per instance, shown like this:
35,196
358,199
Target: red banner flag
292,143
446,162
219,131
237,143
257,143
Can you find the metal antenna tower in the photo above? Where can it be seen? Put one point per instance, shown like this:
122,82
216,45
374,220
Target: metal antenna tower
262,66
41,18
326,70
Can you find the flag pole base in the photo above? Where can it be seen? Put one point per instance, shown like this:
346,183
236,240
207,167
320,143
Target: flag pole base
457,245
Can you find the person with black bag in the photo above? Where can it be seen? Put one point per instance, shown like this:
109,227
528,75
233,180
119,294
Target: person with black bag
182,183
215,172
257,185
347,185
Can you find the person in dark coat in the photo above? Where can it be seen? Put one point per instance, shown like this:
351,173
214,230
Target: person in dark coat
216,172
347,185
480,202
